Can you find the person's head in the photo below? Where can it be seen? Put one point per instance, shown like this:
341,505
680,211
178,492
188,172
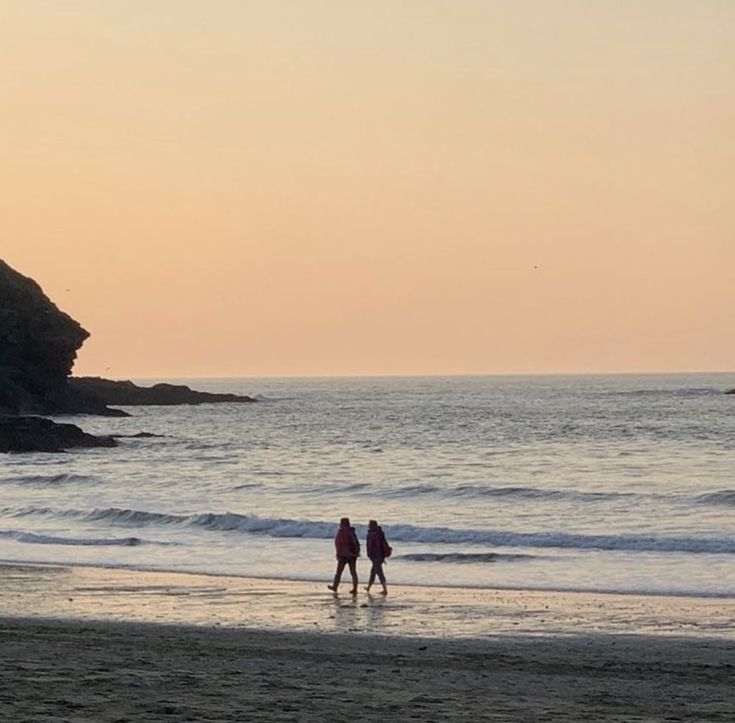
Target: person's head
373,524
344,522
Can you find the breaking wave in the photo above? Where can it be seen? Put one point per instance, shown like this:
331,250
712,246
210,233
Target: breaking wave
51,480
720,497
468,490
461,557
310,529
35,539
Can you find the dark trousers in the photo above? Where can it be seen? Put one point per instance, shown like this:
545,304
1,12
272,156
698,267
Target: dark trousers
350,562
377,569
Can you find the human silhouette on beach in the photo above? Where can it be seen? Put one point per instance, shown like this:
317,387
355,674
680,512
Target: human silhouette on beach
377,549
347,547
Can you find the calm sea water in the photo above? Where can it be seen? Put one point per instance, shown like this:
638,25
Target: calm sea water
609,483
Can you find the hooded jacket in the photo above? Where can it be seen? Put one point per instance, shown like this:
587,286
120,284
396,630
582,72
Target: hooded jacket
377,545
346,543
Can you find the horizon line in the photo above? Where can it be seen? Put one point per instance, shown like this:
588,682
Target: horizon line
437,375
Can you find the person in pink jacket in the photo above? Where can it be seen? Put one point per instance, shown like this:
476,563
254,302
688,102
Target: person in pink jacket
377,549
347,548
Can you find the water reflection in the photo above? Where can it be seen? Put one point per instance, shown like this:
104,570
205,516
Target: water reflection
175,598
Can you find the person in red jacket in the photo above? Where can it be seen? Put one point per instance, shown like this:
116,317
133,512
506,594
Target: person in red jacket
377,550
347,547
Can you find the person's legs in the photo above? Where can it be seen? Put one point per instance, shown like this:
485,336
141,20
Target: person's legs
371,579
378,567
341,562
379,571
352,562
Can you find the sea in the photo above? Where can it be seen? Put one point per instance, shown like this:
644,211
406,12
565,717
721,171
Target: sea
615,483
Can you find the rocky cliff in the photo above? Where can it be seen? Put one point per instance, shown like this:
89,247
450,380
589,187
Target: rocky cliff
38,346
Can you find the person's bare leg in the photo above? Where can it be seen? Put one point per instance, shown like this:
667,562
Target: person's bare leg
353,572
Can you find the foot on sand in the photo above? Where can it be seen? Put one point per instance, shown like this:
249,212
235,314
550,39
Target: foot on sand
333,588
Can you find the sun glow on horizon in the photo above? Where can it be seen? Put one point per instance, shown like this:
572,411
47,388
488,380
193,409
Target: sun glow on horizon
331,188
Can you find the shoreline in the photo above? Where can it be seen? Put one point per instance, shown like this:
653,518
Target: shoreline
102,645
86,593
725,596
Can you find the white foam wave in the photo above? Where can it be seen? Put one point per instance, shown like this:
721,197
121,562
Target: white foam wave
289,528
462,557
36,539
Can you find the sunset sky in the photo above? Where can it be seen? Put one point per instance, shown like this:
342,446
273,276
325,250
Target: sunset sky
234,188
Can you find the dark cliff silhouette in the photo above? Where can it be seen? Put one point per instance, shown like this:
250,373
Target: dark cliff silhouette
38,347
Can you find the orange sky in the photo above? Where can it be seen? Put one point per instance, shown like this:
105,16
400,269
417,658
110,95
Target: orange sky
284,188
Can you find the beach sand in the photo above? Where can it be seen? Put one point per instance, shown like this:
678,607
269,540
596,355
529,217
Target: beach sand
287,651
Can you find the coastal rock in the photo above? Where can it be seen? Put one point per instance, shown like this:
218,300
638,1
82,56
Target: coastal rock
137,435
38,346
730,391
36,434
126,393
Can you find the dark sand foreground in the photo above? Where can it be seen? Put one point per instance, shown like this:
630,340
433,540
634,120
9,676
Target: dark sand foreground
82,671
89,644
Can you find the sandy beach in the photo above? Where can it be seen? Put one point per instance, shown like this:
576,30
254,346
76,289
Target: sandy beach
73,671
91,644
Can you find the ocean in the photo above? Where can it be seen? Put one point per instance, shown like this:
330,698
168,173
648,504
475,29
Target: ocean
616,483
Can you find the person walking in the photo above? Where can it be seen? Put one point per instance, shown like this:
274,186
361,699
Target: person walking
378,550
347,547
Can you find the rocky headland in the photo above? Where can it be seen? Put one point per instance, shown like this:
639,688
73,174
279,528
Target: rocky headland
128,394
38,347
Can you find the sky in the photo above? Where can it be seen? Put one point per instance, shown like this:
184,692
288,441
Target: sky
272,188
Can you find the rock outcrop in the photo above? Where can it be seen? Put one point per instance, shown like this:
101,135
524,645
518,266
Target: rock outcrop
38,346
36,434
126,393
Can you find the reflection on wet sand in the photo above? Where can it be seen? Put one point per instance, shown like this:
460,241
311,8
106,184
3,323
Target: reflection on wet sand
180,598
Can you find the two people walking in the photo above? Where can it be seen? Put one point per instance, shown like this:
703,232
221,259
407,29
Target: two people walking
347,547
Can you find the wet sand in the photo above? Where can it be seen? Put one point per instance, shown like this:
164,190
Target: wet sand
283,651
89,593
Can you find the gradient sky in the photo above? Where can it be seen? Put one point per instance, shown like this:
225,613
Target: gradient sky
232,188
